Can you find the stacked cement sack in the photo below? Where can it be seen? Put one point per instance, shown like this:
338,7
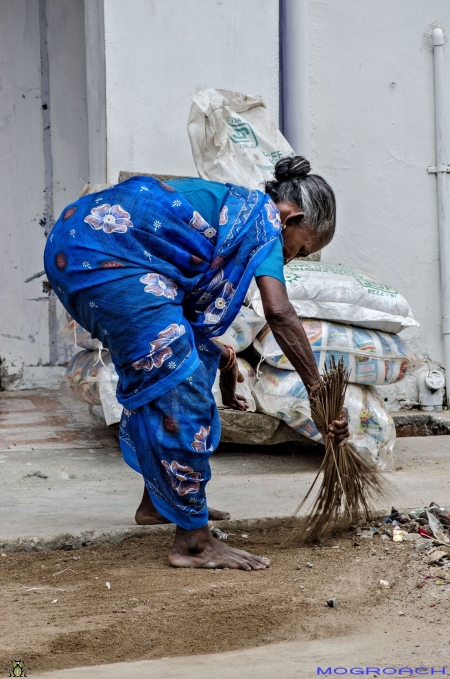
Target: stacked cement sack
90,375
348,314
345,312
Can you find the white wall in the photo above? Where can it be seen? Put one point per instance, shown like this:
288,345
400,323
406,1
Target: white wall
372,116
68,101
40,174
96,89
24,327
372,121
158,52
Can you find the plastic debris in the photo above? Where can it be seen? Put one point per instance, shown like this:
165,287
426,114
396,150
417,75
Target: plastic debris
244,535
411,537
309,565
399,534
436,527
332,603
63,571
385,583
424,533
395,517
366,534
437,555
108,584
55,601
443,576
422,512
421,546
220,535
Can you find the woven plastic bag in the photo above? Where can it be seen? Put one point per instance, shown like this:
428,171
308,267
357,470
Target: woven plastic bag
82,338
338,293
282,394
243,329
233,138
242,388
91,377
372,357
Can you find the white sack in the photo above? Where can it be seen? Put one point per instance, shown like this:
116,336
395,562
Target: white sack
372,357
94,381
233,138
282,394
81,337
243,388
339,293
243,329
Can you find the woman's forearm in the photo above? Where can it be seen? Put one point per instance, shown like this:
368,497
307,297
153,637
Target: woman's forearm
224,355
287,329
291,337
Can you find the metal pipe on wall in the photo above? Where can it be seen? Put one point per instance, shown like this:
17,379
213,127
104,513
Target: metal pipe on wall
441,174
294,53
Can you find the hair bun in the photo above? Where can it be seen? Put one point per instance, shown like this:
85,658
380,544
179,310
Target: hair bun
288,168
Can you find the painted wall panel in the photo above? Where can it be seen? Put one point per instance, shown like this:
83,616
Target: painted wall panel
158,52
372,115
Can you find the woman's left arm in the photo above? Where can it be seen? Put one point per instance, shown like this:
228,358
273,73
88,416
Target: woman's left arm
291,337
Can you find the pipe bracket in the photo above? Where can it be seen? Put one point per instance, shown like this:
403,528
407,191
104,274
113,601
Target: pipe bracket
438,168
446,326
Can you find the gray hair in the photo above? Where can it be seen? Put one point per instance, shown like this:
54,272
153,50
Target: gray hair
310,192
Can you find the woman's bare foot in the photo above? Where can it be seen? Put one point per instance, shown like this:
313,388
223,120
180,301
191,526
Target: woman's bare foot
146,514
199,549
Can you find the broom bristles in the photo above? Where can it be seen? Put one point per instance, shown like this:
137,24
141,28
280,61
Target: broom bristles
350,481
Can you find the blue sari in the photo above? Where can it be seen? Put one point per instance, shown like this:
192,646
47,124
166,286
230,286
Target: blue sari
140,269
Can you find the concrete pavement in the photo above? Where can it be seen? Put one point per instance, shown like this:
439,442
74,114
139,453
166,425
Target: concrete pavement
63,482
291,660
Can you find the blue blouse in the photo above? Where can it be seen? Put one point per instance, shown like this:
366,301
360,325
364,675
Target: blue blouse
208,198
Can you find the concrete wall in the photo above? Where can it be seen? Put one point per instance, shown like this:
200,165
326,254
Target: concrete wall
159,52
24,331
43,147
96,89
372,122
372,119
68,100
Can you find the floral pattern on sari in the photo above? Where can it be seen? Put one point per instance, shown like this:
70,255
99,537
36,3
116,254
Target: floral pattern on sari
273,214
184,480
160,350
159,285
218,308
201,225
223,218
112,219
200,439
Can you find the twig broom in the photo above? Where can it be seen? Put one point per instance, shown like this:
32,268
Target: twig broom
350,481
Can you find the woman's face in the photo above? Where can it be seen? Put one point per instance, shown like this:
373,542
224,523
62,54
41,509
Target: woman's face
298,238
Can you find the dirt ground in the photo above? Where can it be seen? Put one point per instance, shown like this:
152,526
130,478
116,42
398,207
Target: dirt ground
58,612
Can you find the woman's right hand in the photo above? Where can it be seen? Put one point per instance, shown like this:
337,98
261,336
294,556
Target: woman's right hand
227,383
